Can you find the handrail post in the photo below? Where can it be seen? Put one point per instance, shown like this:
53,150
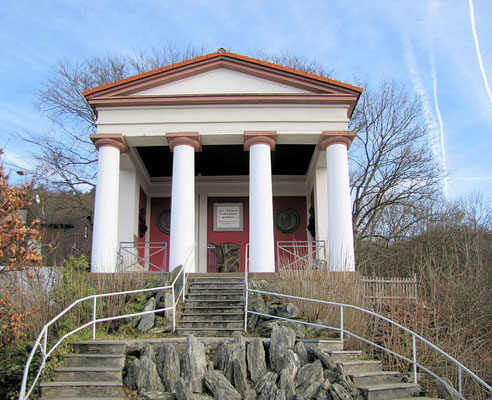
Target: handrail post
174,310
45,342
246,306
341,324
414,345
94,310
459,380
184,283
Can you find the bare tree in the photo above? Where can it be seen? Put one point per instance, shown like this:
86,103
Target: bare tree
393,170
394,175
66,159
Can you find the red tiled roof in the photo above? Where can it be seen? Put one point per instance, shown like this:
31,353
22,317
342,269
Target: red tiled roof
221,53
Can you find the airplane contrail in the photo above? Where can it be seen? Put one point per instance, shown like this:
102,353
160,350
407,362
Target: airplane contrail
441,124
477,48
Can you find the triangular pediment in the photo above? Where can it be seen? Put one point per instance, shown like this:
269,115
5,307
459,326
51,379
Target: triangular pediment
221,81
223,78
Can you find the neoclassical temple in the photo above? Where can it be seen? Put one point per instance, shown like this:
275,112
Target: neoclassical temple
222,150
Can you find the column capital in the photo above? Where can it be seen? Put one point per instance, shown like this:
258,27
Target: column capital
116,140
335,137
255,137
189,138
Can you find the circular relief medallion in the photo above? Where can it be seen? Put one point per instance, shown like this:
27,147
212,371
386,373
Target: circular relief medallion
164,221
286,220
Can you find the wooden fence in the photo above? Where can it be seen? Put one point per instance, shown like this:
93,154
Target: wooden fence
389,288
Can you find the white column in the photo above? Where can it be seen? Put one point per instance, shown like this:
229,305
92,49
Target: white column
182,232
320,208
261,243
340,232
105,230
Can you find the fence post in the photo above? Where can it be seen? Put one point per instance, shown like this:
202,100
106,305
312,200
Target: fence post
94,310
341,324
414,359
174,309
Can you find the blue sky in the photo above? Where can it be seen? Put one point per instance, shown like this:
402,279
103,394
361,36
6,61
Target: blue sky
427,44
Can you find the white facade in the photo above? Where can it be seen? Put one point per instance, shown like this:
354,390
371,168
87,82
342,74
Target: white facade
221,100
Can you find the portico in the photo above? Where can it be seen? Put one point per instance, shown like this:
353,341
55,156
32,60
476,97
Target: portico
226,150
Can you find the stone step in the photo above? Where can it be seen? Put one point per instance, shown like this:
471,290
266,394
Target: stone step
202,316
75,389
88,398
95,360
216,280
375,378
226,289
212,308
211,324
388,391
341,356
216,283
355,367
210,332
324,345
222,304
87,374
224,297
91,347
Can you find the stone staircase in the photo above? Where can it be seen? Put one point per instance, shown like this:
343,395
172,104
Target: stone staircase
93,371
214,306
369,378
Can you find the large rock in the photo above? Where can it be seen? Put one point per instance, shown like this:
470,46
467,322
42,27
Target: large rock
157,396
298,328
301,352
269,376
147,320
291,365
324,391
444,392
194,364
309,379
338,392
239,377
182,391
271,392
168,366
281,340
148,351
227,353
325,358
220,386
256,359
148,379
132,373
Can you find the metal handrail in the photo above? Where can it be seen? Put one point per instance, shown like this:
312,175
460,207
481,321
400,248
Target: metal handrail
344,331
24,393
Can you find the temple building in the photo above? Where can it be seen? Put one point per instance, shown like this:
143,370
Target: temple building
221,152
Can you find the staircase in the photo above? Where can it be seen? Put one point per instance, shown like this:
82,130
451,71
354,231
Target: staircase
369,378
93,371
214,306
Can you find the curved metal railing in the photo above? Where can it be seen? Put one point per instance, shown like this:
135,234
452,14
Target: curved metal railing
41,342
343,331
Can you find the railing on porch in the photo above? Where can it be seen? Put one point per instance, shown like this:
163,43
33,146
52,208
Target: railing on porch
142,256
300,255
